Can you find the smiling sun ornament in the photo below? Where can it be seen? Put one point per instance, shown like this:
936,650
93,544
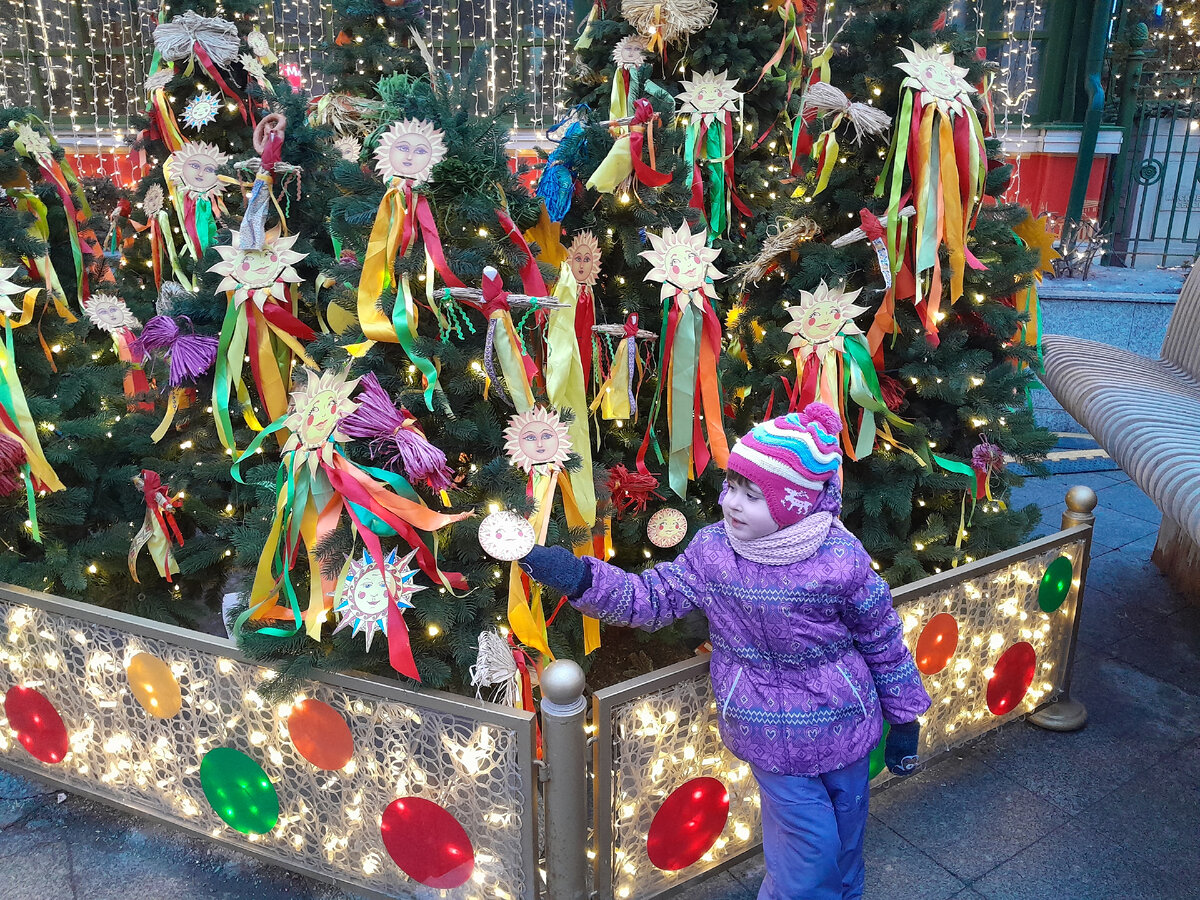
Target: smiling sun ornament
363,600
709,101
683,263
196,187
537,439
831,353
583,256
322,483
938,142
260,320
405,158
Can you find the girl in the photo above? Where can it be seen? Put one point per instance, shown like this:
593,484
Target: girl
806,646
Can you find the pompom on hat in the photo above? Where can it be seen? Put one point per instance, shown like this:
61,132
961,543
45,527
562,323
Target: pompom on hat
790,459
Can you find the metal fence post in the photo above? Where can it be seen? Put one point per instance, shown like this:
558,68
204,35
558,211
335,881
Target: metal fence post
1065,714
564,743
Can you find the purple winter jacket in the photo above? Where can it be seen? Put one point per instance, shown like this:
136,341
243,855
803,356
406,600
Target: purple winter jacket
804,655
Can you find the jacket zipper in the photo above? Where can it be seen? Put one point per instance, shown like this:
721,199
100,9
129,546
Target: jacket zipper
732,688
857,696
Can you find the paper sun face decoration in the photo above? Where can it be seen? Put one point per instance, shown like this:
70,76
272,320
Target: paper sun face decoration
194,168
630,52
109,313
537,438
822,319
35,143
9,289
709,94
201,110
681,262
317,410
253,67
934,73
258,275
364,596
260,47
583,256
350,148
409,150
152,203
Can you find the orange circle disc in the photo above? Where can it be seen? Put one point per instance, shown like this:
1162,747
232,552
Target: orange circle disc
320,734
937,643
154,685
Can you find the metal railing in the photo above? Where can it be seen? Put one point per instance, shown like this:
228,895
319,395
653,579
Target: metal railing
130,712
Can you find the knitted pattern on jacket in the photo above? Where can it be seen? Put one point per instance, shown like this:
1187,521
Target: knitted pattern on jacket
804,655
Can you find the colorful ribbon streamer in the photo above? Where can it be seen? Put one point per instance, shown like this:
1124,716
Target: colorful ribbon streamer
159,528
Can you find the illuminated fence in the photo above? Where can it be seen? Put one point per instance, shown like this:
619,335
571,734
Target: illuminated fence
993,641
386,791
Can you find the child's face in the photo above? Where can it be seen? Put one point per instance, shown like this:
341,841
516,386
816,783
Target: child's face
747,515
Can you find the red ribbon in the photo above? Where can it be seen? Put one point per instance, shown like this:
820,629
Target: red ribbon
531,275
585,318
871,225
206,61
282,319
643,116
433,243
730,177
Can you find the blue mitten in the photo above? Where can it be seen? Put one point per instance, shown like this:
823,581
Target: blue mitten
558,569
900,748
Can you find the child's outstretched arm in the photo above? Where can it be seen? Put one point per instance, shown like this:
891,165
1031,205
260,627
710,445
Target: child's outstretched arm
879,637
651,600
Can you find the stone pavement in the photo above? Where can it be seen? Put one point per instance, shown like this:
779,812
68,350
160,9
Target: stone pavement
1112,811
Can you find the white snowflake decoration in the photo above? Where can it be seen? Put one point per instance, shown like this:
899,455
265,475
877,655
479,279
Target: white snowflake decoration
201,110
363,600
109,313
8,288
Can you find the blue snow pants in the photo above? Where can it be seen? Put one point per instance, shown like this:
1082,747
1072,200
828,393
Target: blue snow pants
813,833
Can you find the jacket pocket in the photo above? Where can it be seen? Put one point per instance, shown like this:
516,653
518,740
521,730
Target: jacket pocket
732,688
853,687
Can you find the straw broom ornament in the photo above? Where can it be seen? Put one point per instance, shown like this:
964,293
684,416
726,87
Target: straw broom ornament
822,97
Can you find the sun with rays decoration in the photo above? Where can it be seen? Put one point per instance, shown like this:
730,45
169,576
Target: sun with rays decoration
409,150
933,72
318,409
537,438
363,600
709,94
682,262
822,321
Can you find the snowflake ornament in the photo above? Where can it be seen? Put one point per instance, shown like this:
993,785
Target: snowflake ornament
363,599
932,71
109,313
201,110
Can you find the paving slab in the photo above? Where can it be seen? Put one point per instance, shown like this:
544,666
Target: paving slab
1171,653
38,873
1130,500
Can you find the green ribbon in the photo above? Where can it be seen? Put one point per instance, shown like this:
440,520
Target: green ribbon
14,404
206,224
927,247
232,345
685,358
896,158
714,150
404,335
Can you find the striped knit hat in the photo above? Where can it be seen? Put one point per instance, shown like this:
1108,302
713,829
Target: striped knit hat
790,459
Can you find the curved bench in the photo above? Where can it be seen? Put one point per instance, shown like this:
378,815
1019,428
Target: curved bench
1146,414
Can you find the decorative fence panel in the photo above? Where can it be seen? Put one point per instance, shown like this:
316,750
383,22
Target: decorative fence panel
347,783
993,640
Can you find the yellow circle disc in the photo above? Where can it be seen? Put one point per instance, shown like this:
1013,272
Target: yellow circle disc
154,686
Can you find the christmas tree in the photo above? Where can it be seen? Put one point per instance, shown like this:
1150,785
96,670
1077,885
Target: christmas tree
933,392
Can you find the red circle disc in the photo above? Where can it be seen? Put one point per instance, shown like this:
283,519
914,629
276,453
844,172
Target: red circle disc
320,734
37,723
1011,677
427,843
688,823
937,643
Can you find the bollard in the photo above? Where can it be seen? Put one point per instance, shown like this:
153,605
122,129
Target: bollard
564,744
1065,714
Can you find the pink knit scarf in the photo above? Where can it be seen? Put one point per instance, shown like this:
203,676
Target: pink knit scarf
787,545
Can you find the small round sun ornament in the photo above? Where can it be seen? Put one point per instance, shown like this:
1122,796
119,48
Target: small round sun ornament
583,256
317,410
666,528
109,313
822,320
409,150
194,166
258,275
537,438
682,262
934,73
152,203
201,110
350,148
708,94
506,536
363,599
630,52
